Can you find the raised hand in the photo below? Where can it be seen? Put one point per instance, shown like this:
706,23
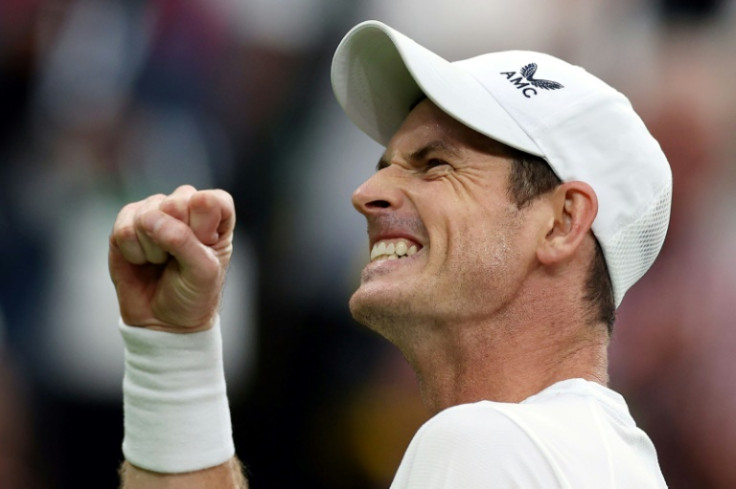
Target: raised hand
169,256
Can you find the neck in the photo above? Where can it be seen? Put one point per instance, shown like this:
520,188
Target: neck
505,359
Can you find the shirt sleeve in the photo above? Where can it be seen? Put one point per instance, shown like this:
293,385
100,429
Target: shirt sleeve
473,446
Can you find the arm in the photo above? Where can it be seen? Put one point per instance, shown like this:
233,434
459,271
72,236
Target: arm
168,259
226,476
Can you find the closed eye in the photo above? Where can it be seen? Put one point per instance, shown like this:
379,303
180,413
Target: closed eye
435,162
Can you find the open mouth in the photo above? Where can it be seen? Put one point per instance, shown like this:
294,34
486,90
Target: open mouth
393,249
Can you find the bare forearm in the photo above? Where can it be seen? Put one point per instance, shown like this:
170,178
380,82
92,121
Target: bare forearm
226,476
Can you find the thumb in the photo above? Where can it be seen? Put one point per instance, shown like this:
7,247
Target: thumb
196,261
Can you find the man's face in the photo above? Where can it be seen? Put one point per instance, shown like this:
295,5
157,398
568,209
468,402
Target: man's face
447,243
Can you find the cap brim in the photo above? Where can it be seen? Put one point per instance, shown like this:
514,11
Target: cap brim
378,74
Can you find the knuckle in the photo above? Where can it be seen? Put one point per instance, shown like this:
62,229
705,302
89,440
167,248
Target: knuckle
215,198
128,208
173,203
185,188
152,201
125,233
139,218
202,200
224,196
145,205
124,227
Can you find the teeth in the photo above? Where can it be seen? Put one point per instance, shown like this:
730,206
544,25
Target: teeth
378,250
392,250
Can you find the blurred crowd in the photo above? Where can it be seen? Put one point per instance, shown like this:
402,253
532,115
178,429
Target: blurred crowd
108,101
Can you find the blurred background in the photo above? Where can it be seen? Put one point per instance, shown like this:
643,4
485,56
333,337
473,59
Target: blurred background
107,101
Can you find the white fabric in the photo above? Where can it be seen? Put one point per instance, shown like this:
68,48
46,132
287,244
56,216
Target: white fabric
573,435
177,417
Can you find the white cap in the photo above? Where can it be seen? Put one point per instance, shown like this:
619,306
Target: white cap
582,127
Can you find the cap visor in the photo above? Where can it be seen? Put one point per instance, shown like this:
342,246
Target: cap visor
378,74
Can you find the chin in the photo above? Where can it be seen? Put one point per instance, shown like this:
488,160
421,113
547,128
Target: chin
385,311
372,307
361,307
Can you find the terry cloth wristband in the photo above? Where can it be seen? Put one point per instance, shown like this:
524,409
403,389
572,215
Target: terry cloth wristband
177,417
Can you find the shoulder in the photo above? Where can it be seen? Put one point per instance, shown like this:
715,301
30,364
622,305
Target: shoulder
483,422
573,412
473,445
477,432
572,434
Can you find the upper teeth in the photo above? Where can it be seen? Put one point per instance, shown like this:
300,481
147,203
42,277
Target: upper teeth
391,250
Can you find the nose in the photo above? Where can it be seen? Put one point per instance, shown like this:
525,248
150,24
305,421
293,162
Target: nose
380,192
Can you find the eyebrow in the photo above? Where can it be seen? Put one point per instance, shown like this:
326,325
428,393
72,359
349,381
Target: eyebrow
420,154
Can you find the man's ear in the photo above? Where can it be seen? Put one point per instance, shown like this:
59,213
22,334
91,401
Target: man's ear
574,206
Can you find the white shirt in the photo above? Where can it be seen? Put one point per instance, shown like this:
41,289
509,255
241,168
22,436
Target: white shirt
575,434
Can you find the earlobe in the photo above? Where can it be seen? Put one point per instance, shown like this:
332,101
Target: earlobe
574,206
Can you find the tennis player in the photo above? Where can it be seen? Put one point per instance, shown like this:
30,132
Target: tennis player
517,200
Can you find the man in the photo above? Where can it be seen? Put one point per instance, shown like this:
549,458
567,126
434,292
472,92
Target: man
517,200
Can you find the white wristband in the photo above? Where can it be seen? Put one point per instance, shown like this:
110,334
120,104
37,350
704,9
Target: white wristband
177,417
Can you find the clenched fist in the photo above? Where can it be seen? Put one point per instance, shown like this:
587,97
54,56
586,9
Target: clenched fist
169,256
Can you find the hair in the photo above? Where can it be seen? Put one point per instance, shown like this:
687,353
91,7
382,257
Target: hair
531,177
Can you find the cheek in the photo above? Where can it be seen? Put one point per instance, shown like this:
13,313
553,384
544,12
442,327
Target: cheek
486,256
472,231
486,251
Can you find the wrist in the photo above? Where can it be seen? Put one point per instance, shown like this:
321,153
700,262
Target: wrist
171,325
177,417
